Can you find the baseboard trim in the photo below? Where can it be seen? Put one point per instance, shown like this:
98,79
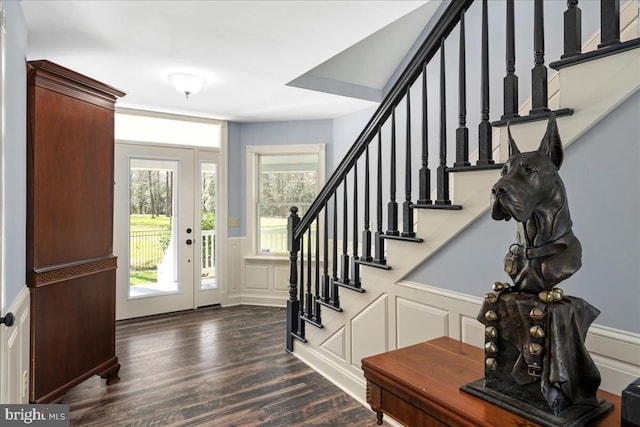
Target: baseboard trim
264,300
353,385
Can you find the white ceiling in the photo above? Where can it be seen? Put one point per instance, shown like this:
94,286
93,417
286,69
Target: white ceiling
248,51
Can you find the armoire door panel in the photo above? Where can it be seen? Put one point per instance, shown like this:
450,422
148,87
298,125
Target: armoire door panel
72,180
81,338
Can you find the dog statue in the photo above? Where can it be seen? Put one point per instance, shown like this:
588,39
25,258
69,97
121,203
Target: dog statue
536,363
531,192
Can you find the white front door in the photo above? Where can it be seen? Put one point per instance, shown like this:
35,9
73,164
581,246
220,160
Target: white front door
160,240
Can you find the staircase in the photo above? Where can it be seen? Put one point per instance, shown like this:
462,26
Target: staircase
348,296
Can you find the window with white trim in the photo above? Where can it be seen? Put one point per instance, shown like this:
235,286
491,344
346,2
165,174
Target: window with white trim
283,176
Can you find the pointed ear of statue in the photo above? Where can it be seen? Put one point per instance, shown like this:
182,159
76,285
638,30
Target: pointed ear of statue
551,145
513,148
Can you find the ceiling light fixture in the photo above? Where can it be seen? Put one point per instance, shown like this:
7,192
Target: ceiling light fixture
186,83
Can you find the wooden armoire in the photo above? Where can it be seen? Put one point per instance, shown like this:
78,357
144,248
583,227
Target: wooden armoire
71,269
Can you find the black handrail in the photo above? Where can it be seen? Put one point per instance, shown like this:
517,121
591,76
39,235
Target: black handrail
441,30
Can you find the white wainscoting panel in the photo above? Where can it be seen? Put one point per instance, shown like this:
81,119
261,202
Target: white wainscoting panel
418,322
15,382
232,288
257,277
471,331
369,331
281,277
335,344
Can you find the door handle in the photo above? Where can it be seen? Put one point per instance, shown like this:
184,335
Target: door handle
189,241
8,319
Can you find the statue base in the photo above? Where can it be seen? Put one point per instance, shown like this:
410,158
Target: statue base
536,364
572,416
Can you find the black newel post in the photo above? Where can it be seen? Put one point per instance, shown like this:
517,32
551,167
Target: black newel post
539,93
609,23
485,147
510,81
462,133
293,304
572,29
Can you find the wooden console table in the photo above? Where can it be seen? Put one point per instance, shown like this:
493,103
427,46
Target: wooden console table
420,386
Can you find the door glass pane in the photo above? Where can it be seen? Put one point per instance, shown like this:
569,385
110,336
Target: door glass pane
208,225
152,227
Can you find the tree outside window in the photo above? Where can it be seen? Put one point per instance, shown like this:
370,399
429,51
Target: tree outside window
284,180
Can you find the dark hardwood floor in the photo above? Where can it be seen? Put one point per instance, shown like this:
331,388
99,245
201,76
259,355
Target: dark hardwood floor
212,367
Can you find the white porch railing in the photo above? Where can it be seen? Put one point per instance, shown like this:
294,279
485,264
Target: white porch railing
208,251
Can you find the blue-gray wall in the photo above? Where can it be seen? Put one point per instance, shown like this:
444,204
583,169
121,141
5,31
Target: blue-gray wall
601,175
266,133
15,151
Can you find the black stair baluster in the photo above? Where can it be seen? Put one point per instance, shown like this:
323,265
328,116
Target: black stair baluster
425,173
344,280
462,133
441,173
326,280
392,217
407,210
317,297
329,283
510,82
329,296
293,303
485,148
311,315
335,297
302,299
379,240
355,267
539,90
572,30
309,295
366,234
609,23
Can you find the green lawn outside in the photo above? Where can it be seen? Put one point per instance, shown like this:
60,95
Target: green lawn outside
144,247
145,222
